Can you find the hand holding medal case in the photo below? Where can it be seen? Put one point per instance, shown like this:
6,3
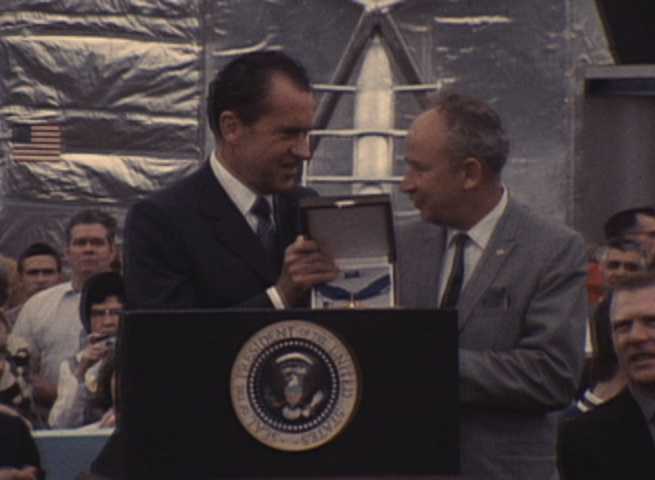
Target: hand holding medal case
357,231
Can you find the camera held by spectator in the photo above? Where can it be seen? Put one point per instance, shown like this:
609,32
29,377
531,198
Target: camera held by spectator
101,306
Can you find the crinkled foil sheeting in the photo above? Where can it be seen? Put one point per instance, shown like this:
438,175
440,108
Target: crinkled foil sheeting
123,80
126,81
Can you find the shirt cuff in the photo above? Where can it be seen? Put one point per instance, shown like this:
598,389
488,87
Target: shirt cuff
275,298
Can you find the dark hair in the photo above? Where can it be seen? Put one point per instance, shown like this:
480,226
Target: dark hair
604,363
96,290
38,248
242,86
624,244
474,130
623,221
92,216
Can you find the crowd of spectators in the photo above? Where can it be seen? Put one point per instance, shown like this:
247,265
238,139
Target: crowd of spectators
57,333
609,432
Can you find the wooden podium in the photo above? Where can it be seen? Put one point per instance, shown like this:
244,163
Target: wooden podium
178,409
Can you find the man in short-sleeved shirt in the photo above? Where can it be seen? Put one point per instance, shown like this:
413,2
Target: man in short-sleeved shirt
50,320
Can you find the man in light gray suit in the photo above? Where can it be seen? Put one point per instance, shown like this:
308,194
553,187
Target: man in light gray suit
517,281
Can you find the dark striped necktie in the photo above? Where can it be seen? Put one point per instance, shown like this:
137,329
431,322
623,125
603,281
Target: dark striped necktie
265,228
456,277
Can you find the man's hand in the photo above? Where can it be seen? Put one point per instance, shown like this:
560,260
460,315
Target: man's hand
304,266
92,353
43,391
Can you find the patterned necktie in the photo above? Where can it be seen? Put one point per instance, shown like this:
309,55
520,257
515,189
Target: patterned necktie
456,277
265,230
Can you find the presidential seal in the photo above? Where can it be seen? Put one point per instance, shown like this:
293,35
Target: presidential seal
294,386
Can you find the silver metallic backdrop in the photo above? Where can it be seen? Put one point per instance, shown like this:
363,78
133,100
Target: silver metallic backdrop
125,82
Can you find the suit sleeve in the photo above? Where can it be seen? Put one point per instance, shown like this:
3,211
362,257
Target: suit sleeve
19,449
541,370
157,270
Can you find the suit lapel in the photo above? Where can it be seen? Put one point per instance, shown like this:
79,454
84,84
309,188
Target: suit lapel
427,249
230,228
499,249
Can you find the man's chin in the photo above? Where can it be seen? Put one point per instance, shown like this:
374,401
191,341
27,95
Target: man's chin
427,216
286,185
89,272
643,372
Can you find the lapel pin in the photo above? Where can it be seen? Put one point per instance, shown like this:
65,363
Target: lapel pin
501,251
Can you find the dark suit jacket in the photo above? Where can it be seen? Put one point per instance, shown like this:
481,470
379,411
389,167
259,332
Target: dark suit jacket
17,447
188,246
610,441
521,319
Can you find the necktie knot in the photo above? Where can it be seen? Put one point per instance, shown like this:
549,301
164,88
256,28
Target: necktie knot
261,209
459,240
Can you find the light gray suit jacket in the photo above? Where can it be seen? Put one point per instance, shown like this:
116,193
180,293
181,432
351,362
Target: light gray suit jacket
521,337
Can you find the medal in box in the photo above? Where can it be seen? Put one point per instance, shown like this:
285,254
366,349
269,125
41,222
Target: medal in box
357,232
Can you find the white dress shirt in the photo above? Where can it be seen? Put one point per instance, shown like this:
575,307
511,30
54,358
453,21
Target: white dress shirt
244,198
240,194
479,236
50,323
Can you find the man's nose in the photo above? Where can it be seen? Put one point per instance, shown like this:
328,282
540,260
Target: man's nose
302,148
406,184
110,319
638,332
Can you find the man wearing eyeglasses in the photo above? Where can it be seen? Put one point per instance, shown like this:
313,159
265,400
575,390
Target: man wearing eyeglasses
49,321
100,309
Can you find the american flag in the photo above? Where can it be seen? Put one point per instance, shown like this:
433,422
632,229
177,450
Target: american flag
36,143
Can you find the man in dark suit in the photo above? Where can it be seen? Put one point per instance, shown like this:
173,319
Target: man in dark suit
19,456
226,236
617,438
517,281
217,238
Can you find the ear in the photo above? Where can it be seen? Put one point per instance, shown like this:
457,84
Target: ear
230,126
473,172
